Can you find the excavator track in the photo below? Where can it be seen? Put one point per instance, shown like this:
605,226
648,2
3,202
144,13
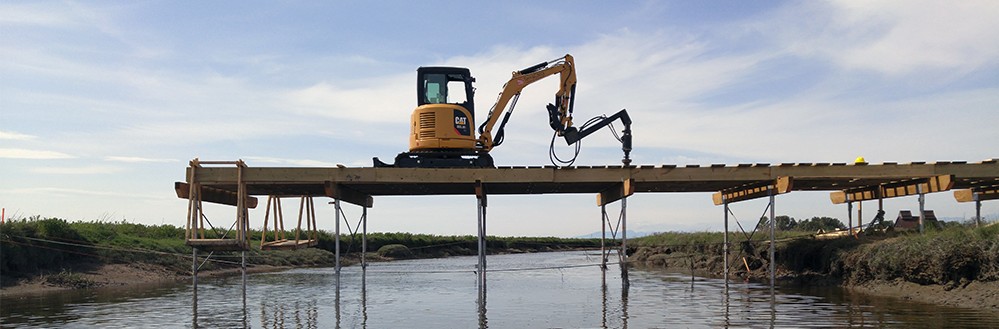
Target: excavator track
439,159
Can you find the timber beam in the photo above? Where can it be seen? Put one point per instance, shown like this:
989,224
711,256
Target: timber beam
894,189
751,191
618,192
347,194
977,194
213,195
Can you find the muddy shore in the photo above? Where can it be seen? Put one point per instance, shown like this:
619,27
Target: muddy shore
114,275
973,294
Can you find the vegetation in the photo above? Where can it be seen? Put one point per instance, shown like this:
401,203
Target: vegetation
53,246
949,254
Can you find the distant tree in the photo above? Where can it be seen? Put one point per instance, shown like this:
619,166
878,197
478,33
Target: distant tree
783,223
820,223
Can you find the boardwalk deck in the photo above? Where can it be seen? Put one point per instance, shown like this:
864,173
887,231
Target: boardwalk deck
357,185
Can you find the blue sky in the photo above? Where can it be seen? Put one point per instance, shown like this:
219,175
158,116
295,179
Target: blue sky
102,104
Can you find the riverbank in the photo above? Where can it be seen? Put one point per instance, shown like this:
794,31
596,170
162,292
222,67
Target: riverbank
42,255
957,266
98,275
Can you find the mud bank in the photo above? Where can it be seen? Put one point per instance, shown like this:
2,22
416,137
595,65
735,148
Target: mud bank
952,268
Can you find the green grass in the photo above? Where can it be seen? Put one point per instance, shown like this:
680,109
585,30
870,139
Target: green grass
950,256
37,245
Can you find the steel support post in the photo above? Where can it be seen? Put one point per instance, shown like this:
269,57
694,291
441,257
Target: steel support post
978,211
482,203
881,201
336,240
725,242
922,202
860,217
480,195
603,237
849,216
773,228
624,243
364,238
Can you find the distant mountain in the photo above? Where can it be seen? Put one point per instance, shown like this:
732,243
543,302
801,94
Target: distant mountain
631,234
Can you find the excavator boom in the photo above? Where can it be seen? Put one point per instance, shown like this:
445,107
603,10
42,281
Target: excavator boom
560,113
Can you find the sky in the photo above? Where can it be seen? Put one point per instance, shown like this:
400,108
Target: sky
102,104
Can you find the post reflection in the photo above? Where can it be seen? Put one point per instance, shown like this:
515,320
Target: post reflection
624,306
364,296
725,305
481,302
279,315
603,294
605,304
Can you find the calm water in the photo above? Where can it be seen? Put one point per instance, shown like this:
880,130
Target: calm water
442,293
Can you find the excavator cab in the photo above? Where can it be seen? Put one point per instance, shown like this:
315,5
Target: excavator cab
445,85
441,127
443,118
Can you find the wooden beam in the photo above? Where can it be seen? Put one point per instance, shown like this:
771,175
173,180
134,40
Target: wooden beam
618,192
213,195
343,193
984,193
751,191
894,189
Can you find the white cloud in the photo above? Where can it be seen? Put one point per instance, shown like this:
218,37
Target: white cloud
59,191
892,37
294,162
84,170
385,100
22,14
10,135
16,153
137,159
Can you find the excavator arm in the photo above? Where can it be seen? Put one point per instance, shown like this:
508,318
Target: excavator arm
559,113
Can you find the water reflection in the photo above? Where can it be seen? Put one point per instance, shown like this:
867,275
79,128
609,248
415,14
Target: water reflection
481,302
437,293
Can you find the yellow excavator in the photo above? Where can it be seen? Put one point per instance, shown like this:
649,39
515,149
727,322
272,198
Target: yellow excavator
442,136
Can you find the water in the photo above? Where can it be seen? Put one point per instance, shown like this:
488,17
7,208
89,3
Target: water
442,293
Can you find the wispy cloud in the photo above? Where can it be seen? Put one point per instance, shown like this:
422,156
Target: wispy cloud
84,170
51,191
892,37
10,135
292,162
16,153
137,159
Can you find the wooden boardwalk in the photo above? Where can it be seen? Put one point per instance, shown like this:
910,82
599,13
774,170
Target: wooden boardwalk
359,185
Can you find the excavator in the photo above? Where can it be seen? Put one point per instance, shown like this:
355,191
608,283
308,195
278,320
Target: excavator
442,136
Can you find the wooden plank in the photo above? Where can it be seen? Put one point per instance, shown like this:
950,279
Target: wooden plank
894,189
984,194
344,193
760,189
288,244
625,189
213,195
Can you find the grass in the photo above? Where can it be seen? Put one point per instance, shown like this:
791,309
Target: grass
34,246
951,256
